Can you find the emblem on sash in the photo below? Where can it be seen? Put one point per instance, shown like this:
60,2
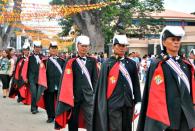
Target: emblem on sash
113,79
68,71
41,65
158,79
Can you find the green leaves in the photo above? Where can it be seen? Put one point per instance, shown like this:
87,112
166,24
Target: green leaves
66,26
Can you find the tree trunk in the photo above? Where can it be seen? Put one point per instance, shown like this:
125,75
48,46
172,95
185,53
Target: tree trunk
5,35
4,38
89,25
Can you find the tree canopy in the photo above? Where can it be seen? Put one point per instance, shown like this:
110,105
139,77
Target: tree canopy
131,17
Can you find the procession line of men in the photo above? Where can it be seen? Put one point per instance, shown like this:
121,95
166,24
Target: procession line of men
76,93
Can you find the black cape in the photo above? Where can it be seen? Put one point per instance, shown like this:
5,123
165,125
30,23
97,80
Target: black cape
145,97
61,107
100,117
17,83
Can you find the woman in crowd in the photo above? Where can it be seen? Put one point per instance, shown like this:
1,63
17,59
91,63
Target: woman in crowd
6,69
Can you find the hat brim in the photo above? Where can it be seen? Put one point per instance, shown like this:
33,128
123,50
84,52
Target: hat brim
53,46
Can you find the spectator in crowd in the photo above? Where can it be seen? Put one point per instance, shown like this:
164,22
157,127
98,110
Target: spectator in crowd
6,69
143,68
192,57
1,54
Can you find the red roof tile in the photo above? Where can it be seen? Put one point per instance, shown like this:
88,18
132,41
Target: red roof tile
173,15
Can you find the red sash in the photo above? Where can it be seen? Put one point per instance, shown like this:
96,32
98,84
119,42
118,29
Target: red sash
112,79
157,104
42,81
16,76
66,96
67,85
24,70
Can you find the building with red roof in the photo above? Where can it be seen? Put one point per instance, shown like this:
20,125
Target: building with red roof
171,18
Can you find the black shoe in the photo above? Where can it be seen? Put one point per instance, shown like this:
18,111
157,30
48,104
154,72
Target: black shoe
4,96
35,112
19,100
50,120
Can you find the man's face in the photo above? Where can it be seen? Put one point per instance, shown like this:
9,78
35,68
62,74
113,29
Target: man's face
26,52
53,51
172,44
120,49
83,49
37,49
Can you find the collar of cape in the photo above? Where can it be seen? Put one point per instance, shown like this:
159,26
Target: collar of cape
157,104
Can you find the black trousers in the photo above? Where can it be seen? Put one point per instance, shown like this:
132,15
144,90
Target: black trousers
120,119
34,90
50,100
5,79
87,111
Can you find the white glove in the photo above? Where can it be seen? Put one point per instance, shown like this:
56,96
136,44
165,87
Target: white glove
137,108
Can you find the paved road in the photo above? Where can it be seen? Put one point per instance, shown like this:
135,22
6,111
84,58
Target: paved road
17,117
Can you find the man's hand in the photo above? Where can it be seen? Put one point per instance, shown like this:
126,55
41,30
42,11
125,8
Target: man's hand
137,108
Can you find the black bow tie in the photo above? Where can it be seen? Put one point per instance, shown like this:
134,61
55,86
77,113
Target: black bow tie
177,59
121,59
55,57
83,58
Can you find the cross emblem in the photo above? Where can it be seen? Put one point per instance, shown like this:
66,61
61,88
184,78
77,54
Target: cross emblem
158,79
68,71
113,79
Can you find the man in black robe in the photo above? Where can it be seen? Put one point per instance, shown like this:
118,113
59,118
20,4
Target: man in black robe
169,94
118,94
33,74
20,84
54,68
76,97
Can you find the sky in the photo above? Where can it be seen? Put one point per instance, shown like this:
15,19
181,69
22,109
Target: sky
187,6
